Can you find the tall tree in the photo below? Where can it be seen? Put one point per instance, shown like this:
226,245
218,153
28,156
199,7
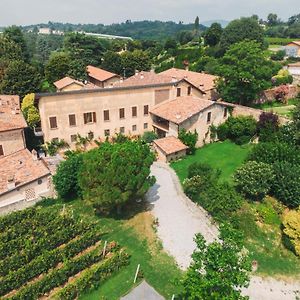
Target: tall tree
116,173
240,30
197,23
112,62
245,71
57,67
136,60
218,270
272,19
213,34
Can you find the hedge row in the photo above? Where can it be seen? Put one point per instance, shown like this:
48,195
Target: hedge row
57,277
93,277
46,261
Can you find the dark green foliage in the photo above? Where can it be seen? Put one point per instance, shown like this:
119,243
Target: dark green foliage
218,270
205,171
194,185
254,179
189,139
242,29
170,44
238,129
286,185
20,78
116,173
278,55
213,34
57,67
220,200
149,136
112,62
245,71
136,60
66,178
267,126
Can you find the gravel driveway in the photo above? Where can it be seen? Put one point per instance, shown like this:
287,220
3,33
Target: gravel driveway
180,219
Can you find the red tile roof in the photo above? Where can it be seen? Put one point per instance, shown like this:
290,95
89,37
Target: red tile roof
21,167
170,145
99,74
296,43
203,81
66,81
296,64
181,108
10,115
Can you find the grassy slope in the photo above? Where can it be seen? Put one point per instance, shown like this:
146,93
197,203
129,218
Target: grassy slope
260,222
137,235
226,156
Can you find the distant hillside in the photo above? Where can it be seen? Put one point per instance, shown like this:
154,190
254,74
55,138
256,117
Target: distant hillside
154,30
223,23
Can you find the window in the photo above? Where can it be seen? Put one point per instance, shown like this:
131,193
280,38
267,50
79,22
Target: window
72,120
122,113
122,130
189,90
106,132
1,150
53,122
106,115
146,110
89,117
55,140
91,135
145,125
30,194
74,138
134,111
133,127
225,112
178,92
40,181
208,117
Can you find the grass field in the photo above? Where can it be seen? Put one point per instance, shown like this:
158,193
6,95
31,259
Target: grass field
136,234
226,156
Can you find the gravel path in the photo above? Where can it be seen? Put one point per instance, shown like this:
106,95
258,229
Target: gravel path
180,219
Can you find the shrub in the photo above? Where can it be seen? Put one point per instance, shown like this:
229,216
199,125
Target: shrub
193,186
189,139
286,187
254,179
267,125
291,230
281,93
66,178
238,129
278,55
149,136
220,200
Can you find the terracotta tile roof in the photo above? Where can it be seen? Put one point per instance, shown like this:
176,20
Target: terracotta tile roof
11,116
99,74
170,145
200,80
22,168
181,108
296,64
295,42
66,81
146,78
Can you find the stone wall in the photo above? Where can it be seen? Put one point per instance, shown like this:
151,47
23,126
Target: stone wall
269,95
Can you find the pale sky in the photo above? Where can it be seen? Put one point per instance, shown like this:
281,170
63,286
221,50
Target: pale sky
25,12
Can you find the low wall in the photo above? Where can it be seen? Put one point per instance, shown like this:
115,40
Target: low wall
269,95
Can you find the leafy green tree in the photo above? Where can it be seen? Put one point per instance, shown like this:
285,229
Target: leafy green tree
66,180
20,79
170,44
272,19
15,34
136,60
254,179
115,174
30,112
242,29
112,62
212,35
267,126
245,71
185,36
189,139
219,270
9,50
57,67
149,136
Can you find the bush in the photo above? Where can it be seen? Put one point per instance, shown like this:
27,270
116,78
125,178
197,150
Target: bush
149,136
189,139
221,201
254,179
286,187
238,129
291,230
278,55
193,186
267,125
66,178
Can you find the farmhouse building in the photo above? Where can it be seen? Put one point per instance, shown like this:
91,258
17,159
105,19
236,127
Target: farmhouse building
292,49
100,77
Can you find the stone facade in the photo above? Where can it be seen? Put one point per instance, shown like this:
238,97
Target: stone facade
12,141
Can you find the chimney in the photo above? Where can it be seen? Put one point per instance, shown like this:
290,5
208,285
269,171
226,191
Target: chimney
136,72
11,184
34,155
142,75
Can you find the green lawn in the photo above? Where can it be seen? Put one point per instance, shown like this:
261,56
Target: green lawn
226,156
134,232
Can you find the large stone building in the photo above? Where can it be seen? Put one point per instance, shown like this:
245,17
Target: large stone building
12,124
103,112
